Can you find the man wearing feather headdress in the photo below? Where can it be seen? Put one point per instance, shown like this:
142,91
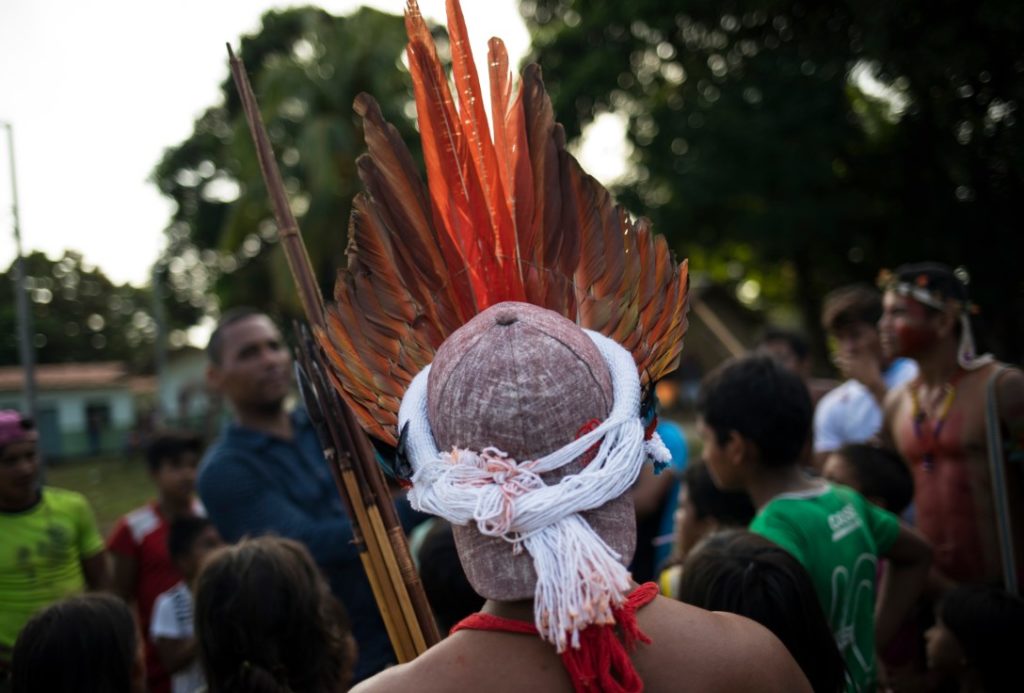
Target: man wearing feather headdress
458,334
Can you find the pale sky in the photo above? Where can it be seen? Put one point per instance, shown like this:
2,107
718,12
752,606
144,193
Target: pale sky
97,90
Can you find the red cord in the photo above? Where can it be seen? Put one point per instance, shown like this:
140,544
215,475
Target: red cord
601,663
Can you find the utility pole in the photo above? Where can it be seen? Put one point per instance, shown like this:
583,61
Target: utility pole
161,344
25,347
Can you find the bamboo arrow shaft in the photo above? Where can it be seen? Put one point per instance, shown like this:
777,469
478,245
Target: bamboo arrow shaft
383,549
291,240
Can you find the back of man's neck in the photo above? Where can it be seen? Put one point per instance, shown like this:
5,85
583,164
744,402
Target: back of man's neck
517,611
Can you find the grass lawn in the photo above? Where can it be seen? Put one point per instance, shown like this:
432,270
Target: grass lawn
113,485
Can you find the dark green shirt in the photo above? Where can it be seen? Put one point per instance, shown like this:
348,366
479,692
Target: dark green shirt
838,536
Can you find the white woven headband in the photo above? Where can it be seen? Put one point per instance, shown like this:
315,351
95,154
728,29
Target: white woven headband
967,354
579,577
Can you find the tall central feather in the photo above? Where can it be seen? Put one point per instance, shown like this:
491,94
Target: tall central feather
508,218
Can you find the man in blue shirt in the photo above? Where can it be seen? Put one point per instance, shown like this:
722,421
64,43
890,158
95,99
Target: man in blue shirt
266,473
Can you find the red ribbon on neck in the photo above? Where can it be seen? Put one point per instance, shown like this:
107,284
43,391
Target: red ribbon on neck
602,662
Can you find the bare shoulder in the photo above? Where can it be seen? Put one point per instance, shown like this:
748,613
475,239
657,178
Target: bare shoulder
712,652
717,652
416,675
891,406
1010,386
477,660
896,396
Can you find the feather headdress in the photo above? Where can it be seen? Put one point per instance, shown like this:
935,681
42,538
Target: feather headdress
505,215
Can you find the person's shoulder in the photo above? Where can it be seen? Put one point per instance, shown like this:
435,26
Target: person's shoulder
1010,379
223,458
396,678
172,593
719,651
62,500
840,396
900,371
139,523
453,663
64,497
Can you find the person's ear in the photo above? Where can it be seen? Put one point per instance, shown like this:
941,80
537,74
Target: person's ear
745,450
735,448
214,378
879,501
946,321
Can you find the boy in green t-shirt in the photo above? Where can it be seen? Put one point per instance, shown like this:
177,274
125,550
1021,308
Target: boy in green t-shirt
754,419
50,546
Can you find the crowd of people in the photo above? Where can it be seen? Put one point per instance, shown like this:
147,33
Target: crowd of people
860,537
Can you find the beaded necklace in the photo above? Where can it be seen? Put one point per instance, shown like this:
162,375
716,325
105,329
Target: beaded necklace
930,441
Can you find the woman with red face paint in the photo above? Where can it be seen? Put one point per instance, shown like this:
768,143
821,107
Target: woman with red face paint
947,421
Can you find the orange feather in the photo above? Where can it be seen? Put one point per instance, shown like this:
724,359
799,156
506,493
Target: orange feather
509,218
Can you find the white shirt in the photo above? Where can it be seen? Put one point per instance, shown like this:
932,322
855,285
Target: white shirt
850,413
172,619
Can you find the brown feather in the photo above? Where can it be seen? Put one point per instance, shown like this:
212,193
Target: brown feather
518,214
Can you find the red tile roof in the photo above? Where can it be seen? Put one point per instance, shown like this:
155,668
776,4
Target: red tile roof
68,376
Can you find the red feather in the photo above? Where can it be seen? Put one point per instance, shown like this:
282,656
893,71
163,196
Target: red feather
515,218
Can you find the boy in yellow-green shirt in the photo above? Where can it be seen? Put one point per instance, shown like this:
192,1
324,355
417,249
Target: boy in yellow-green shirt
50,546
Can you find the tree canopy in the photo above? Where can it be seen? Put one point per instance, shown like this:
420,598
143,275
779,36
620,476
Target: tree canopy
807,145
78,314
306,67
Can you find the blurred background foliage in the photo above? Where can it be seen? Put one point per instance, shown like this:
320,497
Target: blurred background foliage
786,148
78,314
306,67
825,140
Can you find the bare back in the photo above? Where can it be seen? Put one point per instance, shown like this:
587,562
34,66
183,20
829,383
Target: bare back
691,648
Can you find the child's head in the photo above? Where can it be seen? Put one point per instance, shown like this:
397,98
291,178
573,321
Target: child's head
173,458
266,620
752,411
850,309
979,633
743,573
788,347
704,508
876,473
451,596
190,540
85,644
19,460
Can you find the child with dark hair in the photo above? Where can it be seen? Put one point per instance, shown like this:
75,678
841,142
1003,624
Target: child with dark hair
266,621
138,543
703,509
50,547
85,644
876,473
978,638
754,417
189,541
448,590
743,573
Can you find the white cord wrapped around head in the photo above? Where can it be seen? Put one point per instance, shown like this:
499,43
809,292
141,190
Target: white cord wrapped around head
579,577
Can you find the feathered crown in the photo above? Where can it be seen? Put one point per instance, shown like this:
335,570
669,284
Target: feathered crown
508,215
